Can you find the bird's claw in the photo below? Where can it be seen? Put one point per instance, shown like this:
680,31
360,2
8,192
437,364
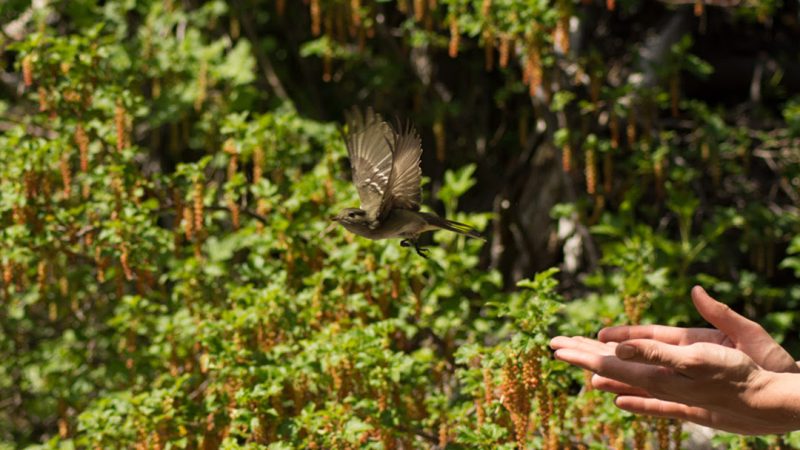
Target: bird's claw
421,251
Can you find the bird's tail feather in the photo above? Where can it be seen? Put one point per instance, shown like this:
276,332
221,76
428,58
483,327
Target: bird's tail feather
452,225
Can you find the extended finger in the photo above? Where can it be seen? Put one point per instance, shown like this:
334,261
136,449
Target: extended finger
617,387
692,361
722,316
582,343
659,381
663,408
665,334
702,416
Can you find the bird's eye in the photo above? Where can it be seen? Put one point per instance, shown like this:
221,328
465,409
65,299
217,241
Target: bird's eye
352,215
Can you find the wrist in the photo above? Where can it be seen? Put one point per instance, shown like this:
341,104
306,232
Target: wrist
780,398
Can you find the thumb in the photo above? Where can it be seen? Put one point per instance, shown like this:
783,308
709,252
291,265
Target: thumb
690,360
722,316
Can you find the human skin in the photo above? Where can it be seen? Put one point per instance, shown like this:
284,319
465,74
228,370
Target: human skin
732,377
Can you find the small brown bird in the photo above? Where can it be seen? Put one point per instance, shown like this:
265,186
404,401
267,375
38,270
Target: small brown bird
387,176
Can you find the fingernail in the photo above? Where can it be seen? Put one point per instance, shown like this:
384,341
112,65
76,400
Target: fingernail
625,351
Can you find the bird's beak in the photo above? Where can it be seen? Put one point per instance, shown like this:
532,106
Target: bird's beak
333,218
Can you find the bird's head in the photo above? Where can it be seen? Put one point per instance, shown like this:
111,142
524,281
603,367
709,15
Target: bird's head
351,216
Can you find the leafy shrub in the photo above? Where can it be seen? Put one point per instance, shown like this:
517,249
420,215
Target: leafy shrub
166,170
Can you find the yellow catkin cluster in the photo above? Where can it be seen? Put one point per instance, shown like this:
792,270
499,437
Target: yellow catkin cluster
355,12
82,141
544,403
486,7
613,130
590,171
188,223
677,434
419,10
699,8
66,174
198,206
124,261
506,48
662,433
41,275
532,75
119,123
8,273
258,163
383,398
531,370
577,421
235,212
630,129
396,284
402,6
561,33
658,176
515,400
72,96
488,385
633,305
101,263
27,70
63,423
117,187
316,20
233,165
609,431
566,157
337,380
455,36
639,435
42,94
444,434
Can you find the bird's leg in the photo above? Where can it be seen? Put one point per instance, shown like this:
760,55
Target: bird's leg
421,251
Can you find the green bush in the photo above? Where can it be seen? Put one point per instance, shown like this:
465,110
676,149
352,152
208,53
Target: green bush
167,170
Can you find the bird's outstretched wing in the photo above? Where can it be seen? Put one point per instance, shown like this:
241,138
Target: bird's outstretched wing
368,141
404,189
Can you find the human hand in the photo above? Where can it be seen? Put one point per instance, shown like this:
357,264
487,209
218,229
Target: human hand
732,330
705,383
701,375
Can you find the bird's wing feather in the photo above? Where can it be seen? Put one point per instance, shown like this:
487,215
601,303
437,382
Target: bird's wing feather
368,144
404,190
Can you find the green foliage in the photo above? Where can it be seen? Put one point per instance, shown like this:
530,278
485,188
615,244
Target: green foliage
166,172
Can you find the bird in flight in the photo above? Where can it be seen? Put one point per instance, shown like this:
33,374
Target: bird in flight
387,175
